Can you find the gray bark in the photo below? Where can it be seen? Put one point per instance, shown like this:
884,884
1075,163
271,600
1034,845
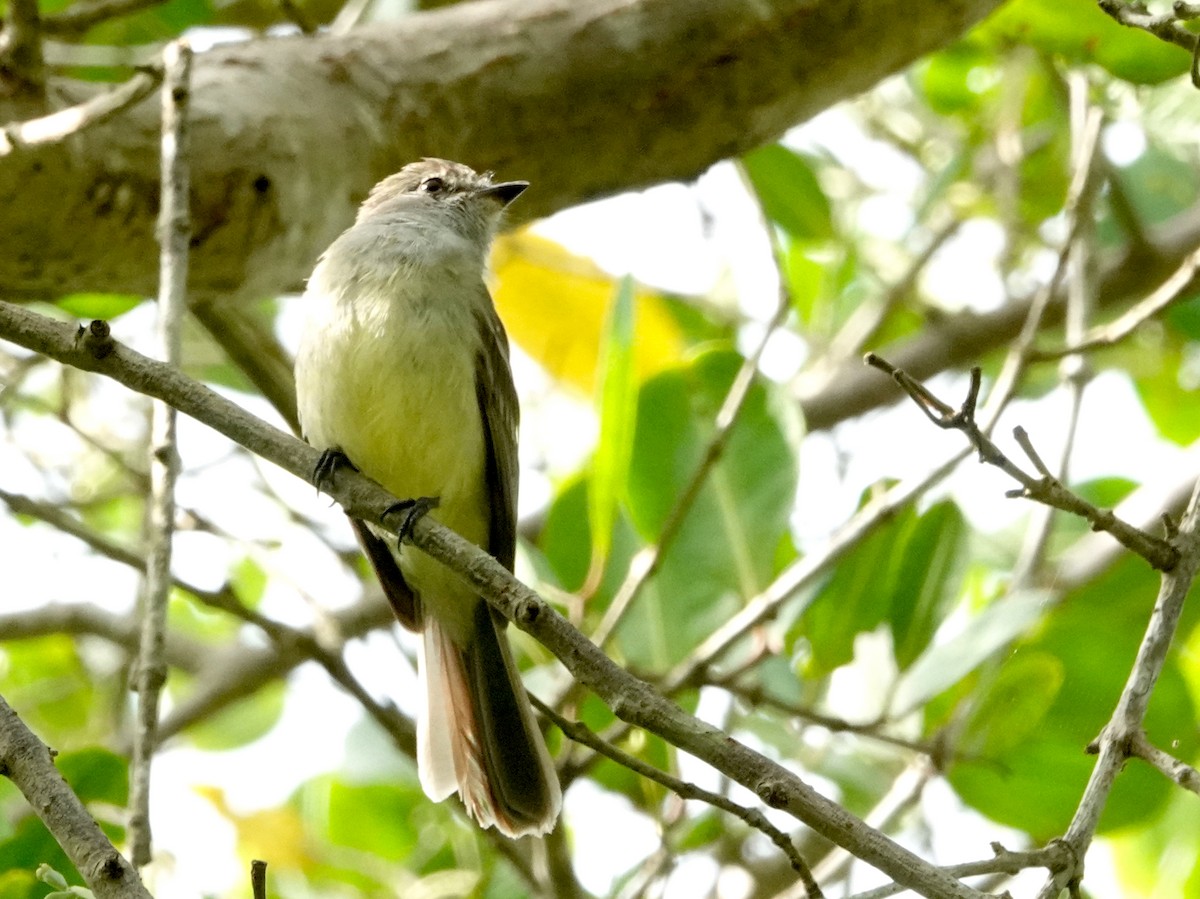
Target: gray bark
583,99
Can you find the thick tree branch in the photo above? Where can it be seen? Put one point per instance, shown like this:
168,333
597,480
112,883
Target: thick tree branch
963,339
582,99
632,700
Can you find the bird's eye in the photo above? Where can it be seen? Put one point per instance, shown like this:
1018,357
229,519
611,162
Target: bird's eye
433,185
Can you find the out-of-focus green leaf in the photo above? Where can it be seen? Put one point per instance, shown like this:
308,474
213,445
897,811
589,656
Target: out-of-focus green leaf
373,818
249,581
789,192
1093,635
904,573
1158,184
725,550
1044,167
618,415
1170,405
96,774
927,579
945,663
1080,32
703,830
958,78
46,679
242,723
1184,318
1013,705
565,543
20,883
806,279
98,305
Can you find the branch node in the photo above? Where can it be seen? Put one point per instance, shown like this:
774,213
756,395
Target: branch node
96,338
772,792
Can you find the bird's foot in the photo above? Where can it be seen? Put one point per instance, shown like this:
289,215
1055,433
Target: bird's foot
413,511
331,460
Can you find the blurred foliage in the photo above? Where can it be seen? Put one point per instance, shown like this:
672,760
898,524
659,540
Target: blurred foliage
916,643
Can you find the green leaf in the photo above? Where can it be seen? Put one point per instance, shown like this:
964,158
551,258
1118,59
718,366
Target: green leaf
726,548
789,192
906,573
1013,705
373,818
958,78
96,775
945,664
618,415
703,830
242,723
1091,637
98,305
927,580
1080,32
1170,404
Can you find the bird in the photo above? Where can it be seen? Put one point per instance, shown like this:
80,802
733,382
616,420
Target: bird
403,372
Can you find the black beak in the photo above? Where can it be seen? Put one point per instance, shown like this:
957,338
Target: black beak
505,192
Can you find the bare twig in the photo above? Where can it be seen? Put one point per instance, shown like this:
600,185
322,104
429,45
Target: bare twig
1055,857
1165,27
258,879
57,125
21,61
1158,552
1115,743
581,733
28,763
1178,771
174,229
1178,286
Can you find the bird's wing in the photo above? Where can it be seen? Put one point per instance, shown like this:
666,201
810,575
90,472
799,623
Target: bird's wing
501,415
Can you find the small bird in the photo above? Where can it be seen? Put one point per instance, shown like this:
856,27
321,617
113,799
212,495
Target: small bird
403,373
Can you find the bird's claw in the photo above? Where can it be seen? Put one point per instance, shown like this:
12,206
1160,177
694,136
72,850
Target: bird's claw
413,511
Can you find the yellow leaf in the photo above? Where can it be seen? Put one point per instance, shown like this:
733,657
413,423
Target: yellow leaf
554,305
276,835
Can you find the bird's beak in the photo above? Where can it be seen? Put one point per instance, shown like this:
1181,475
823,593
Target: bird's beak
505,192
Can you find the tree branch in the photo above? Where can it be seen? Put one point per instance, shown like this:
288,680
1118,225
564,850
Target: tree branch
520,86
174,229
28,763
1115,744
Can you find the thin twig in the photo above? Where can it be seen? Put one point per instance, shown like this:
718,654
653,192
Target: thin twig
1114,745
1165,27
58,125
1178,771
1178,286
1054,857
1158,552
581,733
21,61
174,229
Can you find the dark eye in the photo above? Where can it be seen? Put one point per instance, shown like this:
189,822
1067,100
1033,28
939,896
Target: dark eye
433,185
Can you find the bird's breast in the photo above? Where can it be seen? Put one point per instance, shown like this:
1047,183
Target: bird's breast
386,373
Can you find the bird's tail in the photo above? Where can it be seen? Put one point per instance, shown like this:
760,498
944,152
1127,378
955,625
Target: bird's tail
478,736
